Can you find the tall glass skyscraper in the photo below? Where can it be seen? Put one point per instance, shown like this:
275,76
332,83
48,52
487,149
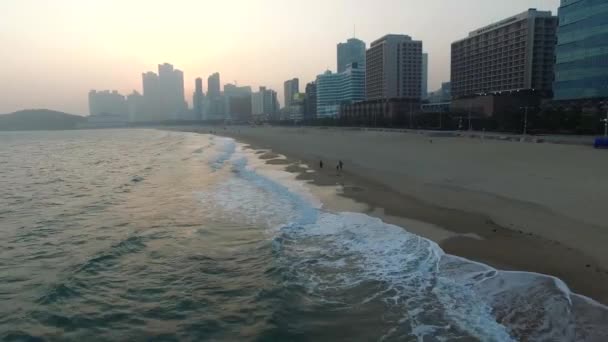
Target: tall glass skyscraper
581,69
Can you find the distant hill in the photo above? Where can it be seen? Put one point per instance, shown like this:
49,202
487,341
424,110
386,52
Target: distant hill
38,119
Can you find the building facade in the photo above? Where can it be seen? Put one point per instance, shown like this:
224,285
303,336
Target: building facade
290,89
264,105
136,107
581,70
151,89
171,84
393,112
213,86
240,108
353,51
107,102
394,68
513,54
337,89
214,106
197,99
235,98
425,76
295,111
310,101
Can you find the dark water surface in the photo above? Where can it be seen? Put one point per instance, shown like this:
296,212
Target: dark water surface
152,235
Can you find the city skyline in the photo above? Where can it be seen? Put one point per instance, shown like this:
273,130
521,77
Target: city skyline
100,45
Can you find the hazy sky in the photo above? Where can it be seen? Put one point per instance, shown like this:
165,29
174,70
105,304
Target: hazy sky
54,52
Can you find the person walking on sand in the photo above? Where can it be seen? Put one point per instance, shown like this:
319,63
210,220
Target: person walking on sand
320,164
340,165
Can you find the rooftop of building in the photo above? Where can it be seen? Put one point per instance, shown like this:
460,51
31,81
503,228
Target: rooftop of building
532,12
353,40
396,37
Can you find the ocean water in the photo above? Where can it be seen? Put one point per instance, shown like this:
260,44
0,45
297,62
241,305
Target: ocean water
153,235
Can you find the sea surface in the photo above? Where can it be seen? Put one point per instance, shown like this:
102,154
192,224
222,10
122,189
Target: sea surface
113,235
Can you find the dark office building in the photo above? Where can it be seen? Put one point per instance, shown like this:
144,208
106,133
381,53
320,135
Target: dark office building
310,102
197,99
240,108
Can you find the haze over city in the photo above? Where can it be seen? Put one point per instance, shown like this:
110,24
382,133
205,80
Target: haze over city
55,52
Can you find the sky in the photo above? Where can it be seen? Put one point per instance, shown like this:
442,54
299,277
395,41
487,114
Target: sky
53,52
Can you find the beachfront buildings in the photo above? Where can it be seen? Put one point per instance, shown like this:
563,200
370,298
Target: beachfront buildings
581,70
136,107
214,106
310,101
197,99
295,110
163,96
393,84
335,89
394,68
425,76
513,54
237,102
213,85
505,66
353,51
264,105
107,102
290,89
171,84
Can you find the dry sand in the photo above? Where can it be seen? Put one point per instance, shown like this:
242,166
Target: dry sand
518,206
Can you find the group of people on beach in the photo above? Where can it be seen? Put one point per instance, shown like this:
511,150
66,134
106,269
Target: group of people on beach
339,166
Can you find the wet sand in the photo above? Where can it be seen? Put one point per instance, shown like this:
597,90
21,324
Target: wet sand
515,206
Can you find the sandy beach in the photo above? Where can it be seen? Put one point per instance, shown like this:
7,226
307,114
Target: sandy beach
516,206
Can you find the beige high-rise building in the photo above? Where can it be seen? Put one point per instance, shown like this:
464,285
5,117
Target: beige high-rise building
290,89
394,68
517,53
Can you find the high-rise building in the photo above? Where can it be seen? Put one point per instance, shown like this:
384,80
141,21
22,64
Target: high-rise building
151,88
334,90
136,107
353,51
291,88
213,86
310,101
295,111
235,102
516,53
581,71
264,103
257,102
197,99
171,83
394,68
107,102
215,106
425,75
240,108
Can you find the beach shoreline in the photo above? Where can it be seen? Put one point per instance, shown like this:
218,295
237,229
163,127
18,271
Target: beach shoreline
488,227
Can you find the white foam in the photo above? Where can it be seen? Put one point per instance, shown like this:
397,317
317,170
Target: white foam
438,294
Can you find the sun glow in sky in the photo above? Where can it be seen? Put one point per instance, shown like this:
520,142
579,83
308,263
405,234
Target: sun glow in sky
53,52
